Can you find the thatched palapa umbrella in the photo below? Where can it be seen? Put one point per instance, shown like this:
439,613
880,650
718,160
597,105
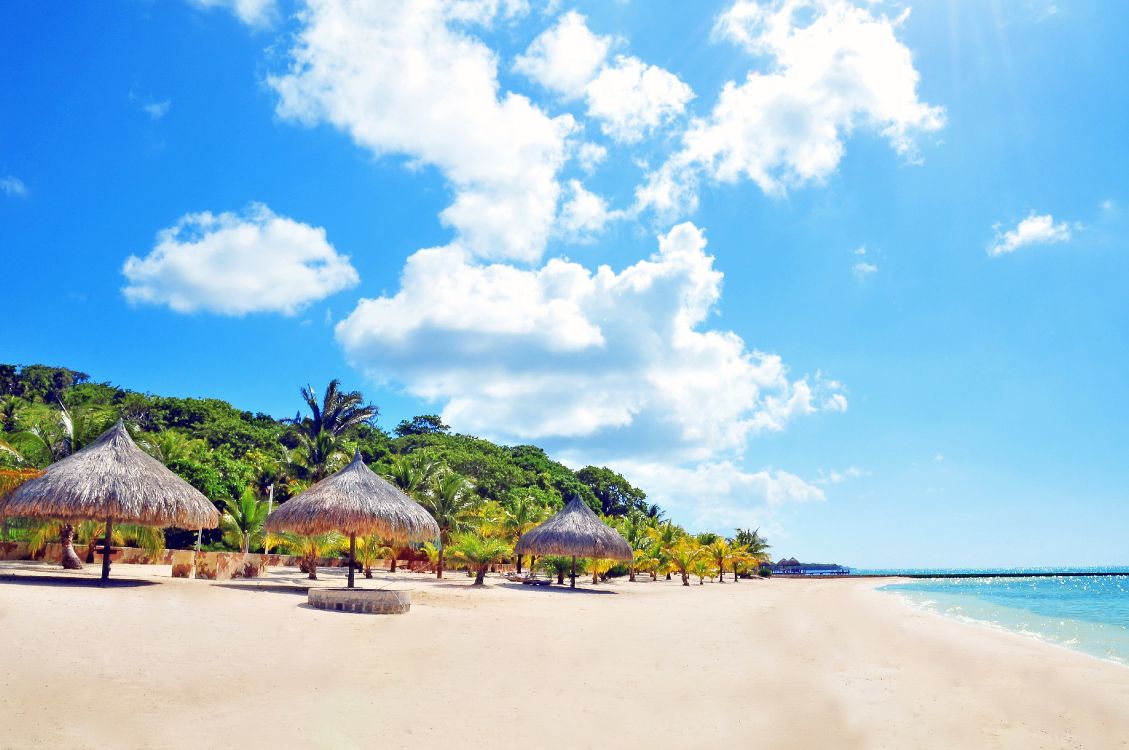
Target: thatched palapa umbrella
357,502
112,480
575,532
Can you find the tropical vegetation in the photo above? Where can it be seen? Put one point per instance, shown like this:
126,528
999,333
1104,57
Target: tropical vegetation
484,496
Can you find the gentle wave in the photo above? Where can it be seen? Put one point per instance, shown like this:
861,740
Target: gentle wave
1085,613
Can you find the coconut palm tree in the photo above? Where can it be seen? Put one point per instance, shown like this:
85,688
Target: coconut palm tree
702,567
242,520
755,544
633,527
336,412
321,455
682,557
369,550
517,517
308,548
478,553
451,502
719,553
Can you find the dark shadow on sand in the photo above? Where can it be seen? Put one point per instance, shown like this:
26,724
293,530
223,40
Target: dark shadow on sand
558,589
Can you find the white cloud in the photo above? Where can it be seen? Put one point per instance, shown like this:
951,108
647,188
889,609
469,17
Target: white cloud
628,97
237,264
838,477
566,57
608,359
13,186
720,496
1034,230
399,78
833,68
632,98
862,270
254,13
584,214
590,156
157,110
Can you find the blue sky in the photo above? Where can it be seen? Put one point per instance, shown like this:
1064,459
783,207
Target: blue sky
852,273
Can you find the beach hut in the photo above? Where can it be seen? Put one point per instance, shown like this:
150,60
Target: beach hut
356,502
112,480
575,532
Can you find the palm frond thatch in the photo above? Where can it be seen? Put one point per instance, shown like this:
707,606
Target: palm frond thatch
575,531
112,479
355,501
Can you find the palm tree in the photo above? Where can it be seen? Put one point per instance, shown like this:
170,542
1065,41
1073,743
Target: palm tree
414,474
478,553
755,544
718,552
309,548
452,504
336,412
558,565
321,454
702,567
633,527
369,550
682,557
519,516
666,535
172,446
242,520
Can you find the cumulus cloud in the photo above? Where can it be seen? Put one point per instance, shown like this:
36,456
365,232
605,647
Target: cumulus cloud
721,495
234,264
1034,230
632,98
566,57
619,360
254,13
403,78
590,156
628,97
13,186
832,68
584,213
157,110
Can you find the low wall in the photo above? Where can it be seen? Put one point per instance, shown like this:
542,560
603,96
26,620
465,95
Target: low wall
13,551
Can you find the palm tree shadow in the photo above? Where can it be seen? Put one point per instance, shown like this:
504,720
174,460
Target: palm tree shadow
73,581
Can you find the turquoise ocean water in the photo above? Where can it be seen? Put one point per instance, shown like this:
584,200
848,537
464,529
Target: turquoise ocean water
1088,613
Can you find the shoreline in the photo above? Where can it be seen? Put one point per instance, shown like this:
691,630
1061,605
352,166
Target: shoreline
785,664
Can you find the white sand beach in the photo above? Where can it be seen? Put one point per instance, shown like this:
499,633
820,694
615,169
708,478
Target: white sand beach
773,664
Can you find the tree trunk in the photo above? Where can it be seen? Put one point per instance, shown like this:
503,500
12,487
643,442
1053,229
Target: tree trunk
312,567
519,564
439,567
480,578
246,543
668,575
734,572
352,557
106,551
392,569
631,573
368,571
70,559
721,572
560,576
685,580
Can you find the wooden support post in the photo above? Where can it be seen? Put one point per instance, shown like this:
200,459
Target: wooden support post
572,581
106,551
352,556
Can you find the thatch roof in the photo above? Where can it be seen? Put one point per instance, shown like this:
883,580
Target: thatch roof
578,531
355,501
112,479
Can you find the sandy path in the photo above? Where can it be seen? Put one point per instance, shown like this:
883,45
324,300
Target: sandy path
775,664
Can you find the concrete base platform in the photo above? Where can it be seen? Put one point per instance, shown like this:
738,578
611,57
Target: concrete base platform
367,601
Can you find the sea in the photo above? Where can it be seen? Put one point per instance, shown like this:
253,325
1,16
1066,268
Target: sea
1088,613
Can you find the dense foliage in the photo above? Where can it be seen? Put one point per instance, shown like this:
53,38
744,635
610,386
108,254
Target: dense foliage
475,488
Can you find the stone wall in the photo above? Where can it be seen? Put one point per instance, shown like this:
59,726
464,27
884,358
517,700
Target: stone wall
13,551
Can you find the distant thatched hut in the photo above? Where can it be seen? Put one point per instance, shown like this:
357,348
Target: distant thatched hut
575,532
357,502
112,480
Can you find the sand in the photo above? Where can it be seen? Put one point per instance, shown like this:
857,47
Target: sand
768,664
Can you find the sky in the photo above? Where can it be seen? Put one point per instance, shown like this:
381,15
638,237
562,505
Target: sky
850,272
